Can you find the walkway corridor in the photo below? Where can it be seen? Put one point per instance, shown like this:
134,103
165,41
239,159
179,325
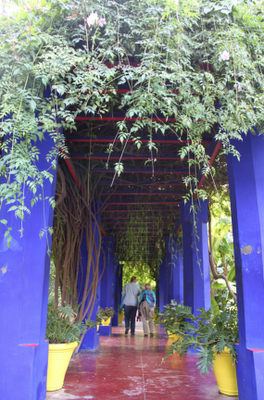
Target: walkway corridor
127,367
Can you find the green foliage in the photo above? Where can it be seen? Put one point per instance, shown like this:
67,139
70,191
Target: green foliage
192,57
104,313
156,316
141,270
208,333
174,313
62,326
134,243
222,236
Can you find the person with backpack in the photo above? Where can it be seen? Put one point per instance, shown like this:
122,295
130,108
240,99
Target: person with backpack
147,301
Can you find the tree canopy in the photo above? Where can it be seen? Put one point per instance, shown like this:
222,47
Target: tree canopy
200,61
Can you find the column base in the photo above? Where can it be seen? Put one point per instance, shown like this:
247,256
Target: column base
90,340
23,372
115,319
105,330
250,373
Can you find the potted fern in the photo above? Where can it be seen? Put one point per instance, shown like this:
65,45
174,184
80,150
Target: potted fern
212,336
104,315
63,333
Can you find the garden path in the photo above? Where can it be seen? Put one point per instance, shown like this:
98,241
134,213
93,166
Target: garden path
129,367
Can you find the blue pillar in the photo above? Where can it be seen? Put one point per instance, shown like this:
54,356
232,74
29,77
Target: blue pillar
24,286
117,290
157,287
163,284
246,185
175,269
91,338
107,295
196,256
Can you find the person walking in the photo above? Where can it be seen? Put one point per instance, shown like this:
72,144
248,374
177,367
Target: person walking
146,305
131,291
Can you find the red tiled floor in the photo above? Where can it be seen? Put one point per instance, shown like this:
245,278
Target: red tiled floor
126,367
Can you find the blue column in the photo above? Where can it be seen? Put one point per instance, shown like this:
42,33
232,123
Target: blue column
24,285
107,296
91,338
157,287
175,269
246,185
196,256
163,284
108,279
117,290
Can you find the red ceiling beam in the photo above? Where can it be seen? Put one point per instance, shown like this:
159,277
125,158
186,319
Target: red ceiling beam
142,171
152,210
122,118
148,183
214,154
154,193
116,156
109,139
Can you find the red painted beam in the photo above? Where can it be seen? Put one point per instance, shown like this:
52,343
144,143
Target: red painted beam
155,193
71,168
142,171
143,211
116,156
146,183
128,202
101,229
109,139
123,119
216,149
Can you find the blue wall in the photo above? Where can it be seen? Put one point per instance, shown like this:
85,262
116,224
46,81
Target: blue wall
163,281
24,284
117,290
246,185
196,256
175,270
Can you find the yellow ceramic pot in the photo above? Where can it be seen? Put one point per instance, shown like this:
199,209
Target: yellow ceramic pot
225,373
120,318
173,337
107,322
58,361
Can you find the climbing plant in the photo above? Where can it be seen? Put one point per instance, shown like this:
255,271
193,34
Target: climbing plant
145,273
193,57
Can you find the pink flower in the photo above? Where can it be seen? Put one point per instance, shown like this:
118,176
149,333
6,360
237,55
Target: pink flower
93,17
225,55
158,246
239,87
102,22
27,27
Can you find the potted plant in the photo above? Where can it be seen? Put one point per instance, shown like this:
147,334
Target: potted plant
104,315
157,316
213,337
63,333
174,315
121,314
